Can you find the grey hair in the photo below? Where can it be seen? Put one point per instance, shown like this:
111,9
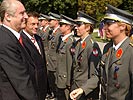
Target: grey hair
8,6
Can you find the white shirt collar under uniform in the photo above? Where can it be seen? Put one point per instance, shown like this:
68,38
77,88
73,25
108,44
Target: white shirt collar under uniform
119,44
84,39
66,36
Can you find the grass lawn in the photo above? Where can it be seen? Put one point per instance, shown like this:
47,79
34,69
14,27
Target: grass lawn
97,38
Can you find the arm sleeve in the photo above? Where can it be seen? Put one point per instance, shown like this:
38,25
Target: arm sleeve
16,69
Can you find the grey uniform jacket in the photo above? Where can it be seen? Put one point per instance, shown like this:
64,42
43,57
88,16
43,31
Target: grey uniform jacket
51,54
87,57
61,70
117,74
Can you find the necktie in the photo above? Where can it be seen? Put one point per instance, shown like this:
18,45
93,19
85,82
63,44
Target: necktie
50,35
112,55
20,40
35,43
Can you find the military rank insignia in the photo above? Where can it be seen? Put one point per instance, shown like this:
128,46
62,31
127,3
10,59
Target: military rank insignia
72,50
117,85
83,44
95,52
119,53
116,72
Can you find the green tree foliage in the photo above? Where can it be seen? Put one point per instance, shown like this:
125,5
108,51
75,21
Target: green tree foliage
127,5
67,7
94,8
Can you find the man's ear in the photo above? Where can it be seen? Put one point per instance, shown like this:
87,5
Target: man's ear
122,26
88,28
7,17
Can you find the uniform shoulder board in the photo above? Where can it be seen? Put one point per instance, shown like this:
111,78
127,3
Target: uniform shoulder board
71,38
131,44
92,41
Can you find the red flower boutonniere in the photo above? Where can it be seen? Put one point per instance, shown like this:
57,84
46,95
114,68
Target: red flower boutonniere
83,45
119,53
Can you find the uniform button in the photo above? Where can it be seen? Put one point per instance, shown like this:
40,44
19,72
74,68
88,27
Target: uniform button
106,84
64,76
79,70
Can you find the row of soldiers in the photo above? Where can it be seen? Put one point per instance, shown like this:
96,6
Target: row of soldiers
73,56
73,63
69,53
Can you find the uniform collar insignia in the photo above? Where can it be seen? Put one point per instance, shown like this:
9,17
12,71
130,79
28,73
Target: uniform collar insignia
83,44
119,53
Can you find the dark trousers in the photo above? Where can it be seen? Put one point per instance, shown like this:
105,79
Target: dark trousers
62,94
51,80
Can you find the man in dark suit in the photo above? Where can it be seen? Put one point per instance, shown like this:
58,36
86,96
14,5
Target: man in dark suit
34,46
15,64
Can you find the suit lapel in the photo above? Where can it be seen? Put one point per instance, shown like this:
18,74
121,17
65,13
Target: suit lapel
28,43
39,44
15,40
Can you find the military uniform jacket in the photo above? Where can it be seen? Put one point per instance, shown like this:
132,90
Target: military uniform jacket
51,54
40,76
44,36
87,57
118,75
61,70
15,69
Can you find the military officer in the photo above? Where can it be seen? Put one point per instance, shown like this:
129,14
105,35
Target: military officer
87,55
44,30
117,64
53,36
66,26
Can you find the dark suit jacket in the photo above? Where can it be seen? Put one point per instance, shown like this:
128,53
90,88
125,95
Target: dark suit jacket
15,79
40,77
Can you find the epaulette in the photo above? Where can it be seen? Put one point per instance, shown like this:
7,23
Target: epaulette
131,38
92,41
131,44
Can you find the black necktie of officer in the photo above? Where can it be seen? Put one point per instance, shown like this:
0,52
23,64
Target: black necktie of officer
59,43
50,34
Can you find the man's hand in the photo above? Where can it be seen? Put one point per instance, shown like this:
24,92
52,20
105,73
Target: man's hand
75,93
